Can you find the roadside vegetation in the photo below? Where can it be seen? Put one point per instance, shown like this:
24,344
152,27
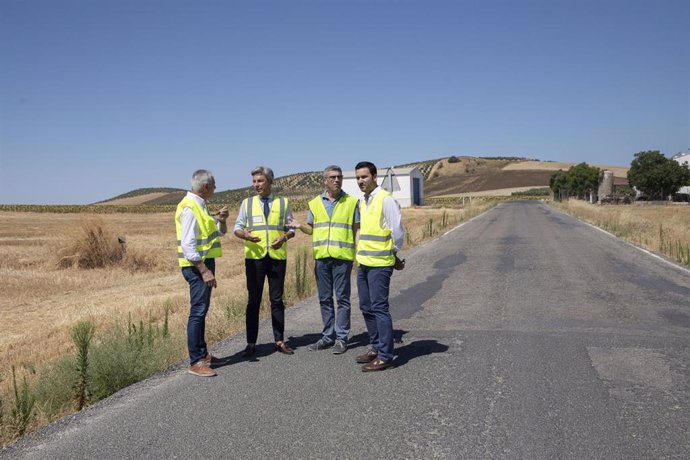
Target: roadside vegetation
662,227
86,315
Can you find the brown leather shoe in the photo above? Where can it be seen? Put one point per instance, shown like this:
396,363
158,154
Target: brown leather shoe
249,351
201,369
367,357
211,360
283,348
377,365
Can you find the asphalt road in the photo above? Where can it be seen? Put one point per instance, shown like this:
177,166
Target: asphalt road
523,334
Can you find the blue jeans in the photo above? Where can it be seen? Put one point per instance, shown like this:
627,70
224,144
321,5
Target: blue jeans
373,284
199,303
334,274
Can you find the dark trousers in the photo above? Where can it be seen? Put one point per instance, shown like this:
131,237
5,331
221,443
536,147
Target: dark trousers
199,303
373,285
257,271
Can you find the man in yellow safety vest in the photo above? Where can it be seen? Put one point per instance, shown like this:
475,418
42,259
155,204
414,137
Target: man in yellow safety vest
262,224
380,238
198,246
333,220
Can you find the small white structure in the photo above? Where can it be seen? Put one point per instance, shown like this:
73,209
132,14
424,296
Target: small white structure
406,184
683,158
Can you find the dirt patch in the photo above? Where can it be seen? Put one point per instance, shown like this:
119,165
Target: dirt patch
477,182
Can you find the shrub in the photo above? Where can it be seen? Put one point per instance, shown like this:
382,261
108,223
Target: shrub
124,358
91,245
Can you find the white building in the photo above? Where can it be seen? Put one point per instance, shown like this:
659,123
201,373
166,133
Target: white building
406,184
683,158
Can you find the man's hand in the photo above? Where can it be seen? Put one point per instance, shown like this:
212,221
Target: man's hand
278,242
294,224
222,214
399,263
209,278
206,275
249,237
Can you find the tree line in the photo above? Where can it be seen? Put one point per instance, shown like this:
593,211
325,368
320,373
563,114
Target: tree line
651,173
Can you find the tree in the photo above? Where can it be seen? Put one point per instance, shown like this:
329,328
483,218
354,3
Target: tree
583,179
559,184
657,176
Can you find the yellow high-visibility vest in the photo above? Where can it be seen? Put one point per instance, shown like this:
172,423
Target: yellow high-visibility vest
267,231
334,236
375,244
208,239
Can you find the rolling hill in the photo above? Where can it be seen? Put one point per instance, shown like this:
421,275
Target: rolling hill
446,177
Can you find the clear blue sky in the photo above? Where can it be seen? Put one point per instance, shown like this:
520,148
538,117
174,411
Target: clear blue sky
101,97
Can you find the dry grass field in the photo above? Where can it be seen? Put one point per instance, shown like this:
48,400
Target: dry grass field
661,228
42,297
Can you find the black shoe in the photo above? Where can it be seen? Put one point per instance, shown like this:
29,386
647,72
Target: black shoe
249,351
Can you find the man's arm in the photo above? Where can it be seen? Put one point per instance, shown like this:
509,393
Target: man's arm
393,219
307,228
221,220
241,231
190,232
355,220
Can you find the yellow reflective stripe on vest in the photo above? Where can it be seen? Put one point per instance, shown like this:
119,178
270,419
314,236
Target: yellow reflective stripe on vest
208,240
267,231
334,237
375,245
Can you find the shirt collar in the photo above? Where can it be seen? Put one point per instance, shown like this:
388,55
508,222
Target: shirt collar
373,192
325,196
196,198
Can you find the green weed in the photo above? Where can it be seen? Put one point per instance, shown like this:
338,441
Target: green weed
82,333
23,411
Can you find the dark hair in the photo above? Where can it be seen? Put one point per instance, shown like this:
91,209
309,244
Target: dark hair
367,164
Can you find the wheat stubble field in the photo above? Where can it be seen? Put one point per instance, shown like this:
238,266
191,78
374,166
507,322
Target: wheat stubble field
43,295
